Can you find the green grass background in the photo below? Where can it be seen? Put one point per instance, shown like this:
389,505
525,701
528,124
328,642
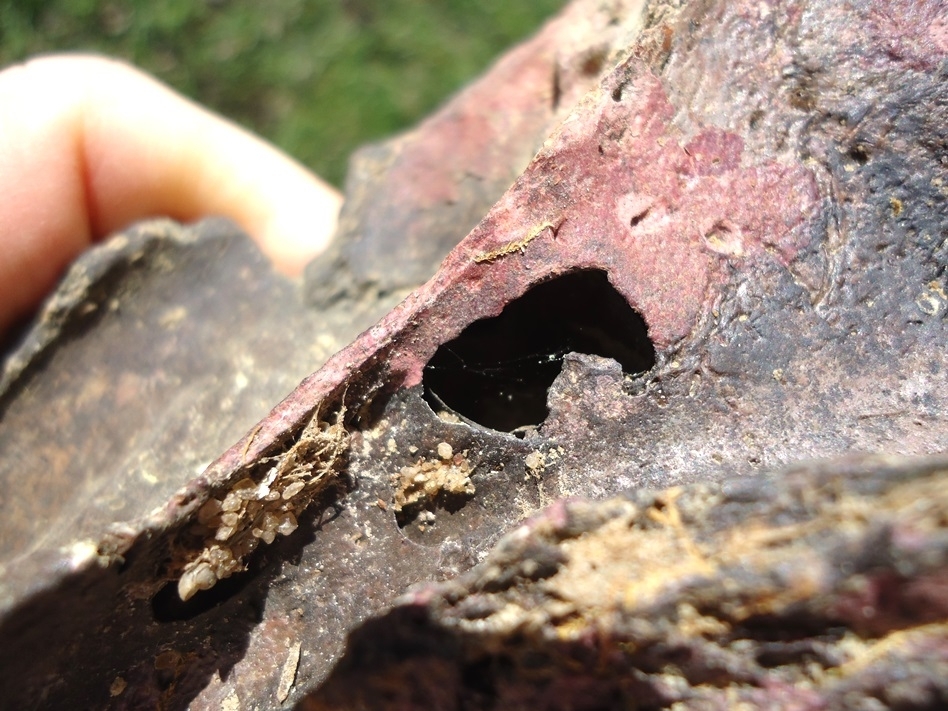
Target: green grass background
316,77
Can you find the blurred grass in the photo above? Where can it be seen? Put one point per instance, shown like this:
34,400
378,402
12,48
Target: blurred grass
316,77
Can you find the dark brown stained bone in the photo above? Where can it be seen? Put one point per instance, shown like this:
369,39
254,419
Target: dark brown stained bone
823,587
763,183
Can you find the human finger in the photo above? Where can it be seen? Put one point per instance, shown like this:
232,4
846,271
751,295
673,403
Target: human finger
89,145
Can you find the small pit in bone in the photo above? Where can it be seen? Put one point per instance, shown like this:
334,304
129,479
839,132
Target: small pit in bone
441,481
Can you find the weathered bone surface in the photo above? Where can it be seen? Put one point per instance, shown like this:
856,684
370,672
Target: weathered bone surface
820,587
730,254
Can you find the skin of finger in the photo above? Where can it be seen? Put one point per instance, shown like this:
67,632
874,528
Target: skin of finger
43,219
89,145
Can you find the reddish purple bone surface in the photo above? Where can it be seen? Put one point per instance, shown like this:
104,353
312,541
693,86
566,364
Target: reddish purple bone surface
617,188
429,174
421,193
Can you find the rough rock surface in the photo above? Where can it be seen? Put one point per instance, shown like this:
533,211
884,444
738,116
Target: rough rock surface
822,587
728,256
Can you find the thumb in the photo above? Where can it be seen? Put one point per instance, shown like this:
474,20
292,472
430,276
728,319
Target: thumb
89,145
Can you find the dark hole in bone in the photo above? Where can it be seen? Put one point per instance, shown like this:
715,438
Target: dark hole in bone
636,219
860,154
497,372
166,606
